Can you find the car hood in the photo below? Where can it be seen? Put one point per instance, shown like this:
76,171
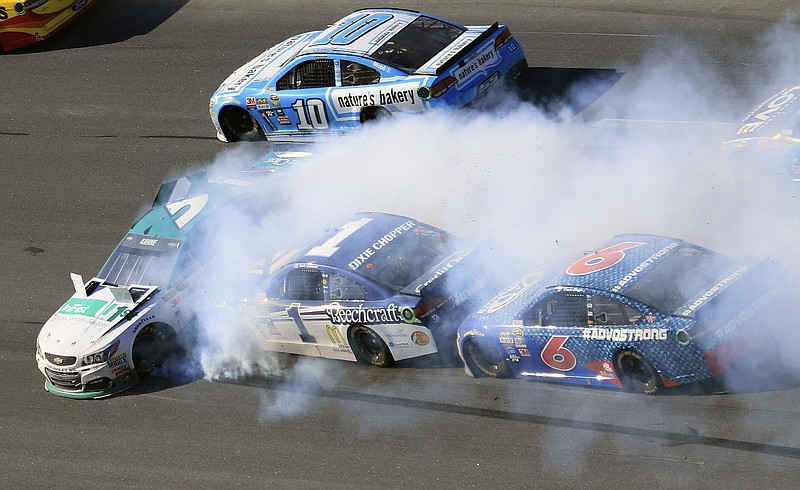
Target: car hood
80,323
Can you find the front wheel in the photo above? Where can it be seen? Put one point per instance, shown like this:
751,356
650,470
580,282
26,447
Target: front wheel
485,359
368,347
238,125
636,373
153,345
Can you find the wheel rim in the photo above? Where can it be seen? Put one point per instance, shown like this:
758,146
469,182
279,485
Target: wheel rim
487,359
637,371
146,351
372,345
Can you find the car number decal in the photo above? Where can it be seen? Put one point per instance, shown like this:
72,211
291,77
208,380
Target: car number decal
311,114
602,259
556,356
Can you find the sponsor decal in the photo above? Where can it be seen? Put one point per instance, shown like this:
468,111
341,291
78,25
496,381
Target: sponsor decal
523,351
79,4
3,13
388,32
380,243
453,51
642,267
748,312
119,366
275,98
440,271
401,96
250,102
711,292
343,315
477,65
511,293
624,334
335,335
148,242
399,344
773,108
420,338
261,103
107,311
141,322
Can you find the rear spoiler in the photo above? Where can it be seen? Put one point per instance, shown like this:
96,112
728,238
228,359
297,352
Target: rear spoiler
469,47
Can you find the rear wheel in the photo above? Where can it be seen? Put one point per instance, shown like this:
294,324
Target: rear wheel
485,359
636,373
368,347
238,125
153,345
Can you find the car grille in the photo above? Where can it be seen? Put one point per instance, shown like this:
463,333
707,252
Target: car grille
60,360
69,380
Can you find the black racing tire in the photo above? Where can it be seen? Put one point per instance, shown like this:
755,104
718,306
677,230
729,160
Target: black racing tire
369,347
485,359
636,373
238,125
154,344
373,114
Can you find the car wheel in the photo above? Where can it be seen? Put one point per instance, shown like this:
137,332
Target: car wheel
374,113
239,125
153,345
485,359
369,347
636,373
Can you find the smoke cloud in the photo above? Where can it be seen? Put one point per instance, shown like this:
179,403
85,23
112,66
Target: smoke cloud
645,157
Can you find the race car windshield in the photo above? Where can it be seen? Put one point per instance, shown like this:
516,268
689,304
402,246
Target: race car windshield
680,277
404,259
417,43
128,266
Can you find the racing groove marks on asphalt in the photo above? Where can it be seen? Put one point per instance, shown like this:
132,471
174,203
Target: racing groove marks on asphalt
693,437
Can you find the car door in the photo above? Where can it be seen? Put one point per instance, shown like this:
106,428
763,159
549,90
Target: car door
297,307
573,328
298,103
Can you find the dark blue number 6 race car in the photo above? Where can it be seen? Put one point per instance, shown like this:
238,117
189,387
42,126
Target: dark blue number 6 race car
642,313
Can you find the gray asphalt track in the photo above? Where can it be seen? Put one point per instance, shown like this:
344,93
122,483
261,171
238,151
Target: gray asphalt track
93,122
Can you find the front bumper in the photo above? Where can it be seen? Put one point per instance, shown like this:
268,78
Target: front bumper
96,381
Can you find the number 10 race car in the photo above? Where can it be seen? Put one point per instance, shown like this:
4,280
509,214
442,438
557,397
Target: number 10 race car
369,64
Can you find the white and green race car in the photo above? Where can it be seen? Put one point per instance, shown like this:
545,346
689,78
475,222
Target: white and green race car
124,323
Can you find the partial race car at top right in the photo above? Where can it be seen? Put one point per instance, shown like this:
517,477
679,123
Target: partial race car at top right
641,313
767,141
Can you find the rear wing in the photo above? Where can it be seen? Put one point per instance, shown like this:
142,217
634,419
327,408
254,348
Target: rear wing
459,55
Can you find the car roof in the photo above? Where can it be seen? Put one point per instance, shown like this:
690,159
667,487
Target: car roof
370,37
637,254
343,244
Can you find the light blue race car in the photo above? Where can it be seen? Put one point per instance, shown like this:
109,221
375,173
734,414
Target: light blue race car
124,323
369,64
